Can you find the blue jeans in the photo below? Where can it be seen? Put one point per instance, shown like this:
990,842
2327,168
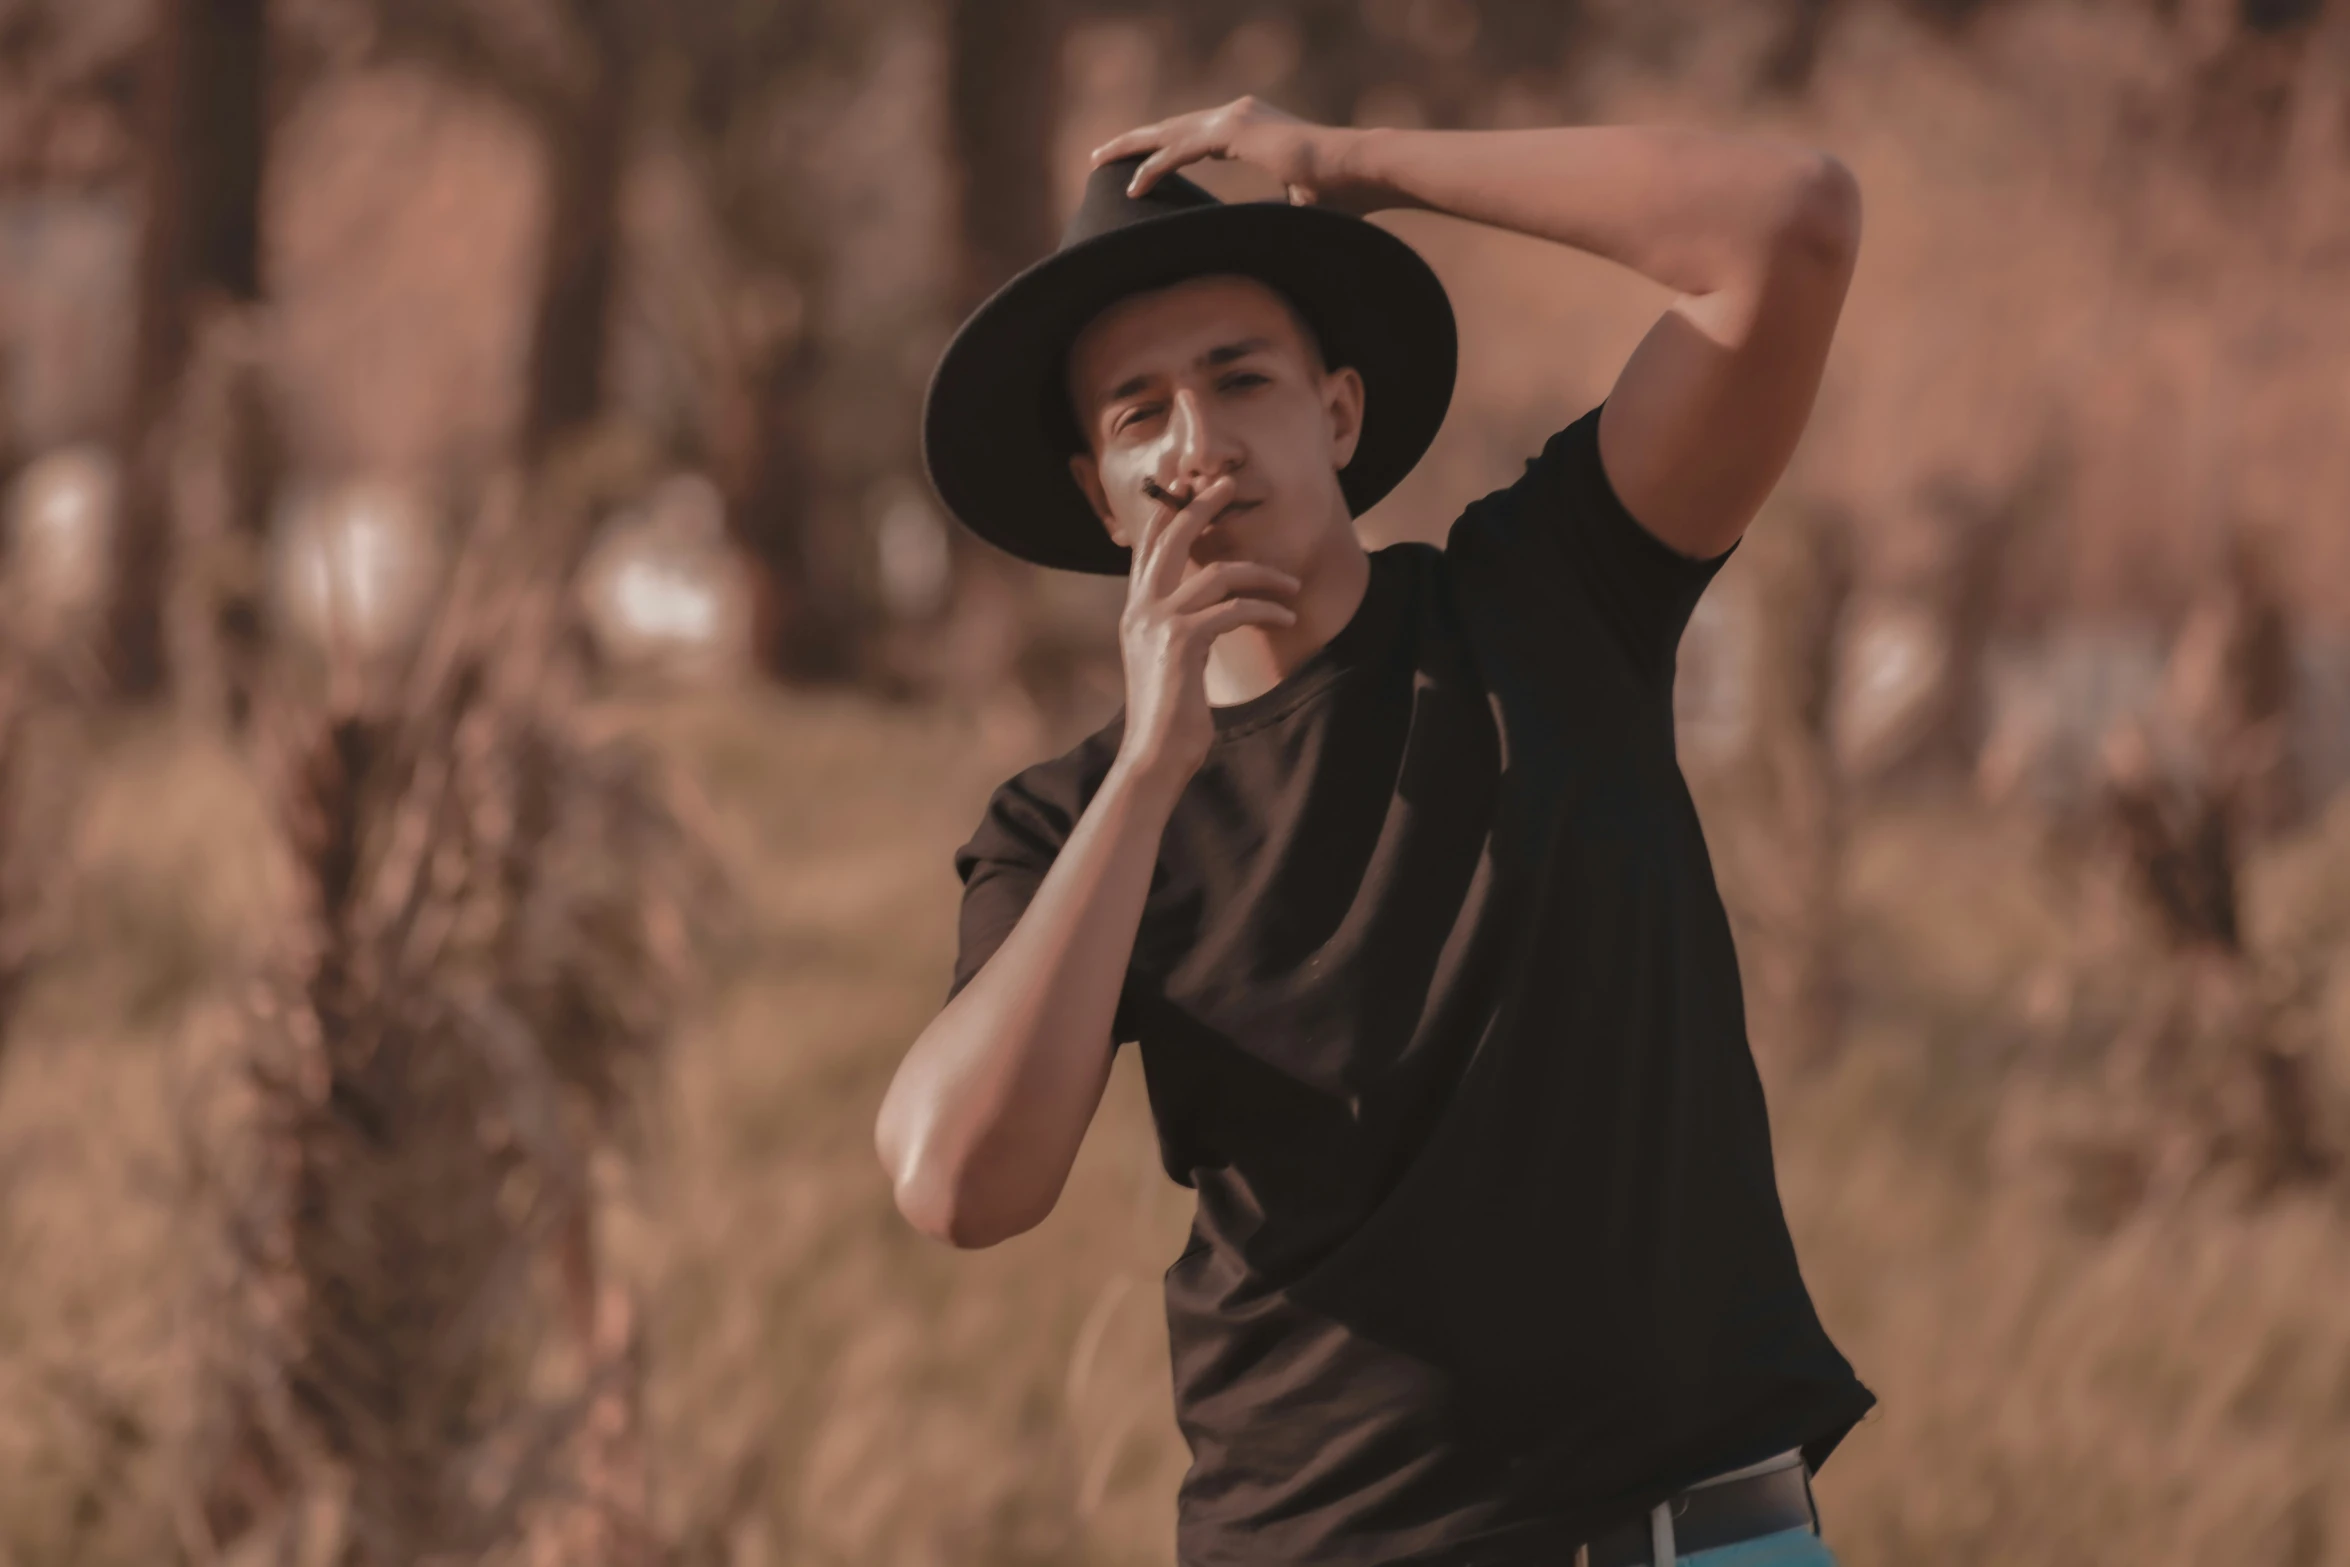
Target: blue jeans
1788,1548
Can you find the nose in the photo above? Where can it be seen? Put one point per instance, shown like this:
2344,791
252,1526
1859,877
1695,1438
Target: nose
1204,448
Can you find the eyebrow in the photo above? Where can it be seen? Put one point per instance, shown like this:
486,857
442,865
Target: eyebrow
1221,354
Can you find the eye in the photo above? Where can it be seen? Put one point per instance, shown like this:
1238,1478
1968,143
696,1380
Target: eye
1134,415
1241,378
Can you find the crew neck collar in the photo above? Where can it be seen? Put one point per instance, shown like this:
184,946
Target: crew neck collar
1352,644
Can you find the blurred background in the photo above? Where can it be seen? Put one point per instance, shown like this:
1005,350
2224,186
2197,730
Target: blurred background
488,699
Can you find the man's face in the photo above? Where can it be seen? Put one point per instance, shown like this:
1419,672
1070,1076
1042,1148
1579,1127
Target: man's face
1215,375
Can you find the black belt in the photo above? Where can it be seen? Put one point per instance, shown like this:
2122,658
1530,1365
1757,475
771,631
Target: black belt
1715,1515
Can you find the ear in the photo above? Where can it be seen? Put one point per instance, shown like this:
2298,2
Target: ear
1088,475
1342,403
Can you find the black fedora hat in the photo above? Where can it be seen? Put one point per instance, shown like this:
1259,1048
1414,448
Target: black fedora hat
997,430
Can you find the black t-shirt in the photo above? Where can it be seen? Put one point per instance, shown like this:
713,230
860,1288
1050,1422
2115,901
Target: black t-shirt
1439,1014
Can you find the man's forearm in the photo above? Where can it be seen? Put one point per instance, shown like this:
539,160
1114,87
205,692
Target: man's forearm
986,1113
1694,210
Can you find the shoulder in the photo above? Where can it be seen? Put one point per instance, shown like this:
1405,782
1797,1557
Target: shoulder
1559,539
1421,570
1031,814
1563,474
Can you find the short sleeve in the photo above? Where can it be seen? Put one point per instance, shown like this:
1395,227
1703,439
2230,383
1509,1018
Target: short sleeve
1561,527
1027,821
1000,868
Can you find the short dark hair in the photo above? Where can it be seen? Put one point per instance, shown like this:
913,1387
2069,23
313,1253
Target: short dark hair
1061,418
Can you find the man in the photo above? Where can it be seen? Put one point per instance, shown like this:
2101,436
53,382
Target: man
1386,862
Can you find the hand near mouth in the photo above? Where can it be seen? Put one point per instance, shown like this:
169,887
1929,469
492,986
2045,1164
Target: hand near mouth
1171,618
1165,497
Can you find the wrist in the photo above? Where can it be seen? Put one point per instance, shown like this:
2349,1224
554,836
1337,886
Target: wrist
1358,177
1150,784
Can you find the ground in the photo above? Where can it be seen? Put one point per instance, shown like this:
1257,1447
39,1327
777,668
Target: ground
830,1388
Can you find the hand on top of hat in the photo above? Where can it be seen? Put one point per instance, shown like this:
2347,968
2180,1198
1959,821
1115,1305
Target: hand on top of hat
1309,160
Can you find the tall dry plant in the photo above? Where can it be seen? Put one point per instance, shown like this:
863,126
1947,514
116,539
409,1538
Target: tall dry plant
2232,686
50,677
498,904
2212,1073
18,940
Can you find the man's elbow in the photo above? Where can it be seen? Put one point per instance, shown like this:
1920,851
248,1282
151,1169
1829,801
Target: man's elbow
935,1209
1821,219
949,1207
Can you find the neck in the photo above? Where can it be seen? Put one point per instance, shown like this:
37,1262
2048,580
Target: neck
1248,661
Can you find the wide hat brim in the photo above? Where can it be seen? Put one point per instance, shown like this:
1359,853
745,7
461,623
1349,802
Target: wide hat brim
995,425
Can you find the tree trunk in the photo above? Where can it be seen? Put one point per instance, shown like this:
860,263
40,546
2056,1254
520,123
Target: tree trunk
205,129
1003,92
1794,53
586,149
770,472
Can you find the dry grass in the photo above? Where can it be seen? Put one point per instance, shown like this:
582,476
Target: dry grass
828,1388
499,904
402,1344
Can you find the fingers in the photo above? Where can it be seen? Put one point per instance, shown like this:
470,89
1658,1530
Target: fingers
1210,623
1228,578
1143,138
1170,143
1144,548
1161,513
1174,155
1159,562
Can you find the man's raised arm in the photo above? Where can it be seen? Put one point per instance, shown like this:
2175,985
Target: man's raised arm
1759,238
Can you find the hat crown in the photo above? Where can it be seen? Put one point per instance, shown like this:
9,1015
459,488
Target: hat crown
1106,206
